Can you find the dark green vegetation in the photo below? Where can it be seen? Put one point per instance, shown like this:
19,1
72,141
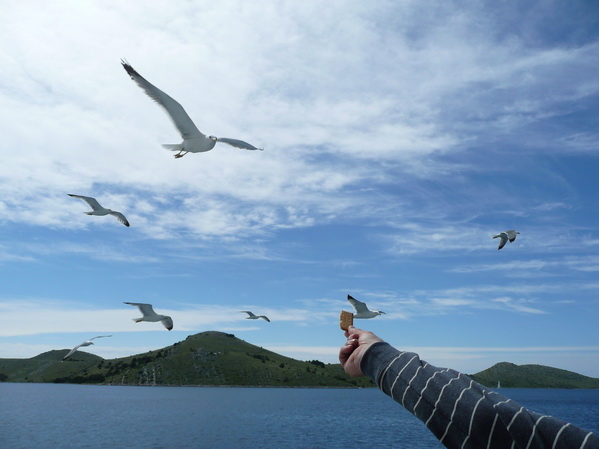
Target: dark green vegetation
216,358
208,358
532,376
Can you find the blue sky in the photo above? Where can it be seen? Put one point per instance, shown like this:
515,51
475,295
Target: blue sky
399,137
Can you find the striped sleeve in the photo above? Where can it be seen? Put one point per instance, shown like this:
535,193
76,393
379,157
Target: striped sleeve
463,414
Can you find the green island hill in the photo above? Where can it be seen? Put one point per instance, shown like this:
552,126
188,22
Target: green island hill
219,359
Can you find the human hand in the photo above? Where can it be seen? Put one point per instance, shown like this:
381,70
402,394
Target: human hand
350,354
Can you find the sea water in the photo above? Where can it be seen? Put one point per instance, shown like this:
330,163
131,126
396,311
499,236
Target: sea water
51,416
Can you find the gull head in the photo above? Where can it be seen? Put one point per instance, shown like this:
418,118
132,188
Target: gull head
379,312
213,138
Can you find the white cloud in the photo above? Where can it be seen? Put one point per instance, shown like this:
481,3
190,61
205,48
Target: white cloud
518,268
501,303
306,90
42,316
413,238
517,305
7,256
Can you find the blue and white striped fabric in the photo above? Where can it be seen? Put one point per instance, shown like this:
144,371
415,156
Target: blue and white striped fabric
463,414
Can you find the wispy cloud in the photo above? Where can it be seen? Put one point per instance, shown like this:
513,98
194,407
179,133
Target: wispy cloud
7,256
520,267
437,302
97,251
33,317
413,238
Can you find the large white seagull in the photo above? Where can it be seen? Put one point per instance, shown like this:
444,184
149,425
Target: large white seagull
362,310
151,316
193,139
98,209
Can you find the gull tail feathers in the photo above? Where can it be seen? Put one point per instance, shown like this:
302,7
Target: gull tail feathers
173,146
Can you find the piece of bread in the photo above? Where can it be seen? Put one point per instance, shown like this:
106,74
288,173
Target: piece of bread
346,319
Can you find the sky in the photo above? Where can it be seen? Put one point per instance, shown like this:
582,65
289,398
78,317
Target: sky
398,136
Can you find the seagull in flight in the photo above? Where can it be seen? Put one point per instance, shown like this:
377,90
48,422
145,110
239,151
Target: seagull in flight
251,316
97,208
85,343
193,139
150,315
362,310
505,236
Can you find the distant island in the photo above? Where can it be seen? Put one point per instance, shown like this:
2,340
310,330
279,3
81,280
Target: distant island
509,375
219,359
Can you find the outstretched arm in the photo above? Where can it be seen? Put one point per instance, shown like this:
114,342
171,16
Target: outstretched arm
458,411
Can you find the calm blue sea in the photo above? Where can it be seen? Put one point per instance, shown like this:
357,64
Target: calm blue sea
56,416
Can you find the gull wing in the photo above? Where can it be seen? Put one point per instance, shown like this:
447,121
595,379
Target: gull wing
85,343
167,321
238,143
92,202
146,309
503,241
120,217
100,336
72,351
265,318
358,305
511,235
250,314
175,111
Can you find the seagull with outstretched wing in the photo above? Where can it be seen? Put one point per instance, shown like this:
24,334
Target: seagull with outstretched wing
98,209
506,236
251,316
362,310
150,315
85,343
193,139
